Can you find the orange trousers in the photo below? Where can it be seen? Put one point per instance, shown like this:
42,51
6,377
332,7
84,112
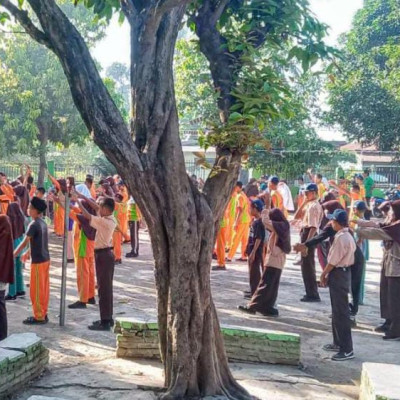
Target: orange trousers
220,248
85,274
40,289
241,236
117,244
229,232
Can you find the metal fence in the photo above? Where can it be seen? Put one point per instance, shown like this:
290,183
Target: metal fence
13,170
383,175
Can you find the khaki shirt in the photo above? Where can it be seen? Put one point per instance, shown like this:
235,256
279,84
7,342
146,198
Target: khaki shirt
341,253
391,253
313,214
275,257
105,227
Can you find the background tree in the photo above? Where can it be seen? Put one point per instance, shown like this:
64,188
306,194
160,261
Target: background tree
180,219
35,96
119,72
365,95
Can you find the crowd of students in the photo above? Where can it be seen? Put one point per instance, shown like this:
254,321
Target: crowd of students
99,221
332,217
334,222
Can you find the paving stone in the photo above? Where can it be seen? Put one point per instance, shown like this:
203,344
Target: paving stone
44,398
380,382
21,341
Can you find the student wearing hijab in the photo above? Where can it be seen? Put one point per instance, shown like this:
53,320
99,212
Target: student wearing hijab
17,220
37,236
264,298
23,197
389,232
6,269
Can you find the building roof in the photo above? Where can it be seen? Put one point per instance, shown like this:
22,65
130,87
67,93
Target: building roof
356,146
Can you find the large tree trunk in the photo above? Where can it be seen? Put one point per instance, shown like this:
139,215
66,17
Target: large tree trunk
43,139
181,220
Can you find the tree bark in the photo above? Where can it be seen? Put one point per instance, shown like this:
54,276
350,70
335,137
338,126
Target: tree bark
43,139
181,220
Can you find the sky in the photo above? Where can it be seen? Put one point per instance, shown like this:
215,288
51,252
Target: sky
338,14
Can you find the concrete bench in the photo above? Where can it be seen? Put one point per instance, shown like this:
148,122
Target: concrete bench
23,357
380,382
139,339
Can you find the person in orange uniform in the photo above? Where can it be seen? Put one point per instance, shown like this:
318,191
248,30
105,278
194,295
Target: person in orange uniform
321,186
124,211
84,257
118,235
242,224
6,193
61,188
37,236
360,182
276,197
221,242
230,222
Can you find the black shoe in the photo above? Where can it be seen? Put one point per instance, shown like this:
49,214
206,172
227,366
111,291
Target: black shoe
130,255
77,304
10,298
342,356
92,301
34,321
247,296
118,261
382,328
101,325
391,338
273,312
20,294
246,310
306,299
241,259
331,347
218,268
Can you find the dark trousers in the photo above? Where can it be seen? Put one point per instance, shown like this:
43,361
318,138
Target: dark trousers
134,231
383,294
3,316
105,273
356,272
339,284
255,272
393,296
308,268
265,296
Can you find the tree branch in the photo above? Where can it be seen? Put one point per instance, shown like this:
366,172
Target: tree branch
162,6
98,110
22,17
218,11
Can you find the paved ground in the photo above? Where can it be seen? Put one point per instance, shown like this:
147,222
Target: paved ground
83,365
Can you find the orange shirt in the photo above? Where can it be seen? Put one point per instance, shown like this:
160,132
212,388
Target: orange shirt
277,200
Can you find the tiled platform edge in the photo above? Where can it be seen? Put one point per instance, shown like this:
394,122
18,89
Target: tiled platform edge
139,339
22,358
380,382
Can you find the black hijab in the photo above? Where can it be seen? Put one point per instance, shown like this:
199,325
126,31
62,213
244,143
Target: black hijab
393,228
282,229
17,220
7,252
89,232
23,195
